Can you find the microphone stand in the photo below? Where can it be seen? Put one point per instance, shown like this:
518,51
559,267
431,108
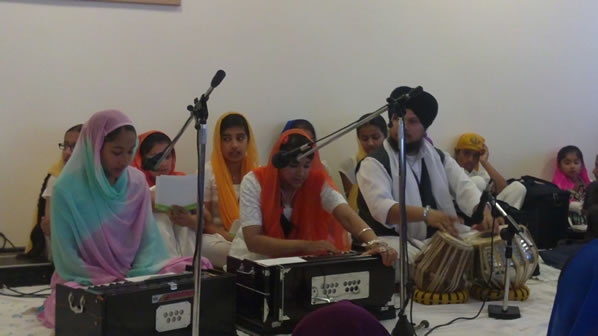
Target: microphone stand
506,312
196,110
333,138
199,112
154,162
394,106
403,326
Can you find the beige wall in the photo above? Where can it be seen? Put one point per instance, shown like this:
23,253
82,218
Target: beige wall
522,73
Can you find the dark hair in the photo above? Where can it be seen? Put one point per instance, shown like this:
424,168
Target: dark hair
151,140
303,124
591,195
295,141
234,120
566,150
592,220
590,210
377,122
112,135
76,128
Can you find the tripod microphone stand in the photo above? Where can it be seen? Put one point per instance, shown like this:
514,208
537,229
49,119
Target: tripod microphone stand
504,311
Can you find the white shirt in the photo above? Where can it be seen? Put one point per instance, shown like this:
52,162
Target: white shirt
481,172
211,194
480,177
414,162
250,201
381,193
49,187
347,168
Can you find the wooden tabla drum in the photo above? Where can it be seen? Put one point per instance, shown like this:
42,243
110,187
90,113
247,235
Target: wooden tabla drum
443,265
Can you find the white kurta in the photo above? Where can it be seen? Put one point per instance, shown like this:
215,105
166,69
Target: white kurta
513,194
448,180
180,240
347,168
251,212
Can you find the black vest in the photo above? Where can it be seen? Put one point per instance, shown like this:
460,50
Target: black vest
425,191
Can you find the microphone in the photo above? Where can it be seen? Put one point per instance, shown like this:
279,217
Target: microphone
151,163
218,77
154,162
282,158
397,97
216,80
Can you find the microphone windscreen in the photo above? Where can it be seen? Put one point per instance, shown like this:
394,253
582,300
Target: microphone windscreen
218,77
149,164
405,90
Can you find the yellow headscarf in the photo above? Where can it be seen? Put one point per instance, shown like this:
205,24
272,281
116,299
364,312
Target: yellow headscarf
228,206
471,141
355,189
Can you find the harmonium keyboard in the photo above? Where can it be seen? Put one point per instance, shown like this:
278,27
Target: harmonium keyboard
160,305
273,295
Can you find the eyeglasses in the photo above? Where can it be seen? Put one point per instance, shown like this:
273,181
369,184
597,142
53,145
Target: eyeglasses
63,147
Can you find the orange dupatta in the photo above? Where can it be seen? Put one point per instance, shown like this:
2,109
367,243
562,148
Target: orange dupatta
137,160
228,205
310,220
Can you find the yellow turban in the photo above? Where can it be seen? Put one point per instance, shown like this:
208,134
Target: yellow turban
470,141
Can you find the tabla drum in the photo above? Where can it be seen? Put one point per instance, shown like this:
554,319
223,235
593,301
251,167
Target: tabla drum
443,265
488,250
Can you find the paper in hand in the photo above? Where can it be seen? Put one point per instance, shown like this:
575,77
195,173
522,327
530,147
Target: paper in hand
176,190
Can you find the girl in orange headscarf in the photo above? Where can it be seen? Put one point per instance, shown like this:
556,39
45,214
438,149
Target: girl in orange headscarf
179,240
297,210
234,154
151,144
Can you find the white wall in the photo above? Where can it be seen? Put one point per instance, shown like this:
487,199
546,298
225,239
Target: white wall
522,73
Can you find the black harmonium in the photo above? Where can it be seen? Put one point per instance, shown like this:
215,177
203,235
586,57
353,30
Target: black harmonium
17,271
272,297
161,305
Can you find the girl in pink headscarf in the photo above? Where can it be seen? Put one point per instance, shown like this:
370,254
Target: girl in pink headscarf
571,174
102,224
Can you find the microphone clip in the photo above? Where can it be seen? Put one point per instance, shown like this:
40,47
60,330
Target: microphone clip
199,109
397,101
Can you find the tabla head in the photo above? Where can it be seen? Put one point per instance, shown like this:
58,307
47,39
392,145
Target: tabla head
476,238
458,241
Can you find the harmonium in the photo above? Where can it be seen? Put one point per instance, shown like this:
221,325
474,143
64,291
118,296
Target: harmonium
160,305
273,295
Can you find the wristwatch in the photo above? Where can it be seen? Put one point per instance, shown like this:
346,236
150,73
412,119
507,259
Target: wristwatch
426,211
